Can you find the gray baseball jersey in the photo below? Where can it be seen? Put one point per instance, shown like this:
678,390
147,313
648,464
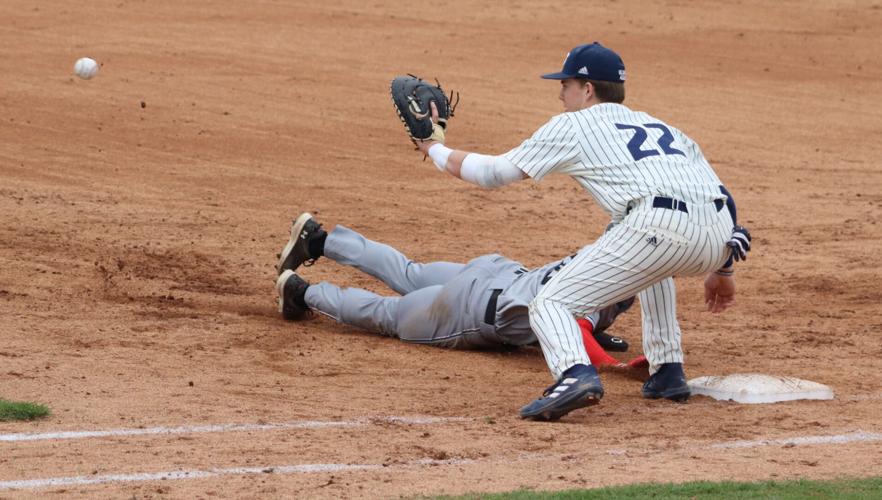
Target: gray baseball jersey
481,304
666,206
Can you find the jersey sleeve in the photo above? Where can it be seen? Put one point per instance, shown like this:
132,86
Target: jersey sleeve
551,148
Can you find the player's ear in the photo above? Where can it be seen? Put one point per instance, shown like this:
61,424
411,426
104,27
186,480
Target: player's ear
588,87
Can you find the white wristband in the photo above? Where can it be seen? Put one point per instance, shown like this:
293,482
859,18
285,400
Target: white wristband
439,153
489,171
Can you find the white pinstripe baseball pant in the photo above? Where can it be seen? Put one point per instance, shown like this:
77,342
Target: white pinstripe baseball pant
640,255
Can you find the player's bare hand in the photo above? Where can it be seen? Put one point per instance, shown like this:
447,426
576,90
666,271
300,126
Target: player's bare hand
719,292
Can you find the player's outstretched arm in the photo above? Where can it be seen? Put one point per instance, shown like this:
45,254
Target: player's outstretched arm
451,162
482,170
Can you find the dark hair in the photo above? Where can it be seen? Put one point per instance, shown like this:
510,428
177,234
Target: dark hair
607,91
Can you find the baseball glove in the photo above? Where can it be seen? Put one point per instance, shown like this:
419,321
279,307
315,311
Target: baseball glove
412,97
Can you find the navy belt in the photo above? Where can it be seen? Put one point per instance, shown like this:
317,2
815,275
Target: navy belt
672,204
490,312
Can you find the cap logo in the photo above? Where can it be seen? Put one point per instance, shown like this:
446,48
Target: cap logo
583,70
622,75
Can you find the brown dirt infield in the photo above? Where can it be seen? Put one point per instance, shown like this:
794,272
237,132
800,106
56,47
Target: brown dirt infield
142,211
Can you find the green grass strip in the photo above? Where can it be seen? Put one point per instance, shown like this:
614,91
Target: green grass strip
704,490
19,410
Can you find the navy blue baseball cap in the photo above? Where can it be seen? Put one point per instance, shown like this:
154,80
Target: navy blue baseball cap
593,62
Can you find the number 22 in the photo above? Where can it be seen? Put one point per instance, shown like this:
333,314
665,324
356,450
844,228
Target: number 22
640,136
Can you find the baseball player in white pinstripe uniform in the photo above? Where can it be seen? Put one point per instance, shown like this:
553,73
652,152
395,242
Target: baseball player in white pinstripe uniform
668,219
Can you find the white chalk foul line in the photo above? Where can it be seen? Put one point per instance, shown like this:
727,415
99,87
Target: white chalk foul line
852,437
865,397
201,429
857,436
200,474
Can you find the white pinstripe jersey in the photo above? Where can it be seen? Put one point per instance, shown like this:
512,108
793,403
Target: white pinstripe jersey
619,155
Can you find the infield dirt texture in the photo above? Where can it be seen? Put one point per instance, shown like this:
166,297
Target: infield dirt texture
142,212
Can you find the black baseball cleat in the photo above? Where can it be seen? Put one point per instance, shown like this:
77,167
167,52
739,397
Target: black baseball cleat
611,343
668,382
292,295
578,387
304,230
605,319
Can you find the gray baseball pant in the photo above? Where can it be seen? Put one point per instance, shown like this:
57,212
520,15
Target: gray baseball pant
441,303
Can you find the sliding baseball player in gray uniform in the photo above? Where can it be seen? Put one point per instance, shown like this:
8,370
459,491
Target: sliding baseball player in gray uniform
668,219
481,304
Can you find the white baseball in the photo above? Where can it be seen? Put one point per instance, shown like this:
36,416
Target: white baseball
85,68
